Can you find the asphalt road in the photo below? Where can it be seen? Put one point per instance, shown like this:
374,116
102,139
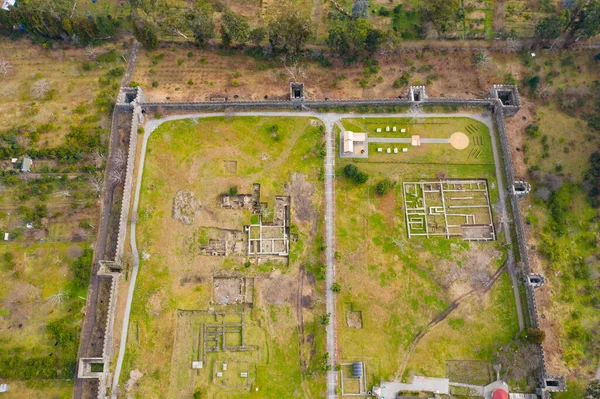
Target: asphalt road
329,119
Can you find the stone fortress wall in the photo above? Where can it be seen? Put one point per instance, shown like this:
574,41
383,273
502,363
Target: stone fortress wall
502,102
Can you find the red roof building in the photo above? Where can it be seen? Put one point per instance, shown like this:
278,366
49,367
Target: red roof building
499,394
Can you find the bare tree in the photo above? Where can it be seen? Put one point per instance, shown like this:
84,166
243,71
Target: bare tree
41,88
63,193
99,156
91,53
544,91
120,158
116,176
295,72
97,183
5,66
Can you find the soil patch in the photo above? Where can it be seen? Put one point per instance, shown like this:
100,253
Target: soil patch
231,167
278,289
459,140
185,206
354,319
301,192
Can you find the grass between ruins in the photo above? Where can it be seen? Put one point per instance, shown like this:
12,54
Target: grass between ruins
283,327
399,285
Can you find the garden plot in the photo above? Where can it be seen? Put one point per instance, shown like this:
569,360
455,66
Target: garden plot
449,208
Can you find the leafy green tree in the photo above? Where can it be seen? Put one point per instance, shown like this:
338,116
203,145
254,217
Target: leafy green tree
350,170
535,335
234,28
257,35
583,19
201,24
336,288
361,177
338,40
549,28
289,32
442,13
145,30
384,186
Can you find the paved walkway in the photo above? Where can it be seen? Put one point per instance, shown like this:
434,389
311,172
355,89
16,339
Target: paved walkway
407,140
329,119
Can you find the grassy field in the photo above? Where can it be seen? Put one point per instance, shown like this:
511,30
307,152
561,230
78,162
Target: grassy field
56,103
42,295
443,154
399,285
285,336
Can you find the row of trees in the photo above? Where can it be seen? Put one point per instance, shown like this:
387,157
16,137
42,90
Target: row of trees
287,33
57,20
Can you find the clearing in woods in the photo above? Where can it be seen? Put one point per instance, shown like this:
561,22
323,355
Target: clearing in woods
254,322
393,285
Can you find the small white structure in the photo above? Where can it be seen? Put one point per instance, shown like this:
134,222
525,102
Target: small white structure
394,129
402,130
395,150
389,150
7,3
3,388
415,140
405,149
5,236
378,130
224,366
354,143
197,365
244,374
219,374
379,149
14,160
387,128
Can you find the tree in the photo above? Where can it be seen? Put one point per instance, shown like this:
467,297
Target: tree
583,19
353,37
360,9
535,335
361,177
442,13
234,28
40,88
145,30
202,25
481,59
336,288
350,170
257,35
288,33
384,186
593,390
5,66
549,28
338,41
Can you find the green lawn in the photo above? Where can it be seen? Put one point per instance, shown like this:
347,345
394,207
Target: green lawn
399,285
479,150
